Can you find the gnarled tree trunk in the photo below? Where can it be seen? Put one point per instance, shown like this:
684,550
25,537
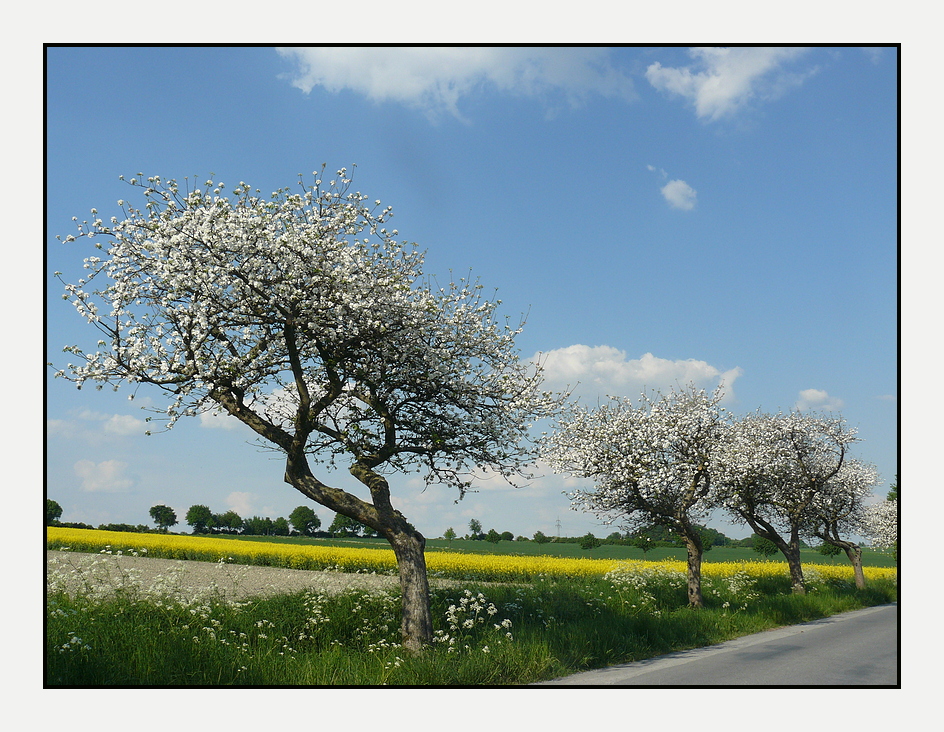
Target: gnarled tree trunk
695,549
855,557
408,544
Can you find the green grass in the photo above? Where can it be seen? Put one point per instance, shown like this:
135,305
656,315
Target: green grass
870,558
556,627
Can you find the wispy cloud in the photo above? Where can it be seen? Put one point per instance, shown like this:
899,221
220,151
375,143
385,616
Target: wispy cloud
819,400
242,503
109,425
604,370
721,81
107,476
436,79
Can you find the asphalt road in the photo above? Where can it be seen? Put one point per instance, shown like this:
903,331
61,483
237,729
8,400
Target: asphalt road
858,648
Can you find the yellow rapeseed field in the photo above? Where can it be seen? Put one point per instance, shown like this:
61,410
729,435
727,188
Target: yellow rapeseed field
489,567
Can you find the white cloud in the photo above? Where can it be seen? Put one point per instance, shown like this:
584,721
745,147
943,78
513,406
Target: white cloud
104,477
112,425
435,79
124,424
604,370
679,194
242,503
218,420
819,400
723,80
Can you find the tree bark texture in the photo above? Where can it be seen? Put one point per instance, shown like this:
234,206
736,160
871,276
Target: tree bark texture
695,549
855,556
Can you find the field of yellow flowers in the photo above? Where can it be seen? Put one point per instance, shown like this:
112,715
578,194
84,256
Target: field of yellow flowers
491,568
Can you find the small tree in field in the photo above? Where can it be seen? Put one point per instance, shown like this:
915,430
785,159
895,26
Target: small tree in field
304,520
775,470
163,516
303,317
650,464
475,528
53,511
200,518
764,547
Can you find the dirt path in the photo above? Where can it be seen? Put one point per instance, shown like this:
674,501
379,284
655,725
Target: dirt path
101,574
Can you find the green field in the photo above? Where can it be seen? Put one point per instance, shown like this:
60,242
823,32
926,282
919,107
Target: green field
118,631
870,558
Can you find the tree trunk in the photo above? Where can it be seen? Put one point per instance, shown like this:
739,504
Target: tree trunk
855,556
792,555
695,549
416,624
790,551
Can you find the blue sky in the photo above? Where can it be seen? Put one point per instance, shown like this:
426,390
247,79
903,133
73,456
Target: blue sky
661,214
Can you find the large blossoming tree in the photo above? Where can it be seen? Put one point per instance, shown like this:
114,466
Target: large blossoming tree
775,470
651,463
303,317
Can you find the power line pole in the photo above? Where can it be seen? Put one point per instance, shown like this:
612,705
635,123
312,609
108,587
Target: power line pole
558,527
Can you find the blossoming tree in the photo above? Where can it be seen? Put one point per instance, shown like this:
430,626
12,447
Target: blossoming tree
838,510
650,464
880,524
304,318
775,468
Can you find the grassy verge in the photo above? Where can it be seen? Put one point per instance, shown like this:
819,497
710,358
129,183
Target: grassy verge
485,634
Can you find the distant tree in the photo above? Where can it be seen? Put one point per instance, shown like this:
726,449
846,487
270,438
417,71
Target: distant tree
258,526
764,547
589,541
200,518
53,512
493,536
229,522
879,522
880,525
642,542
540,538
304,520
163,516
280,527
829,550
507,536
475,529
345,526
449,534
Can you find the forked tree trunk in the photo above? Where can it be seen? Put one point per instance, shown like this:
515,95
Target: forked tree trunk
416,625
